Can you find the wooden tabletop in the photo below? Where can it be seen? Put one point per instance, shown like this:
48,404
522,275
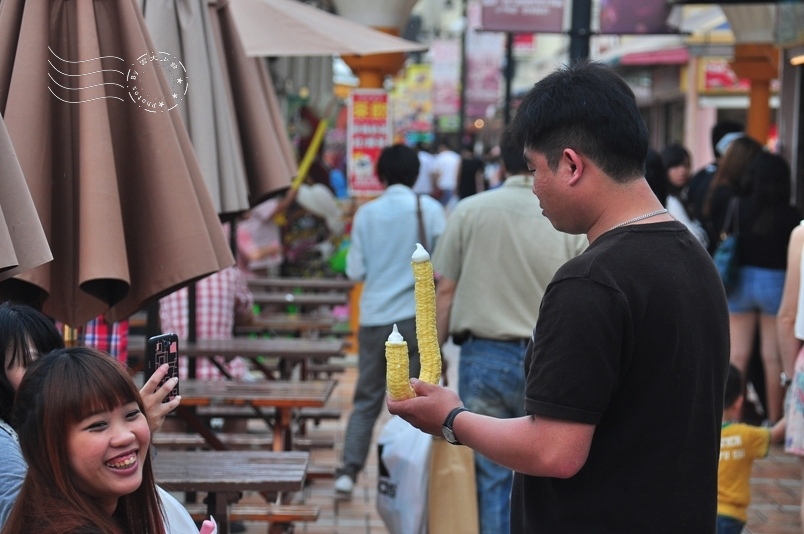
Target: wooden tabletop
303,299
234,471
264,393
295,323
302,283
240,346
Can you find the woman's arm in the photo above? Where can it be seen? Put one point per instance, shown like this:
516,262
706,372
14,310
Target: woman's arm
789,345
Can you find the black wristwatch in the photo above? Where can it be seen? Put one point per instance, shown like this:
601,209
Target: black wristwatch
786,380
446,428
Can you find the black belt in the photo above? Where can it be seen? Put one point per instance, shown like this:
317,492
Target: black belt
460,339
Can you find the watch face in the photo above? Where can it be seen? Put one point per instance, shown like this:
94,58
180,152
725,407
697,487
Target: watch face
449,435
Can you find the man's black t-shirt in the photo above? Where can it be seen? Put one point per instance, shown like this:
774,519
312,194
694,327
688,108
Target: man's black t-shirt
632,337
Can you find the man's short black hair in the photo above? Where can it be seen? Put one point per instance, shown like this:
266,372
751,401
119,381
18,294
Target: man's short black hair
585,106
512,154
398,164
734,386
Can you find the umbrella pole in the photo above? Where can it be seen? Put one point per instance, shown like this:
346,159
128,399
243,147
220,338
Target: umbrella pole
191,326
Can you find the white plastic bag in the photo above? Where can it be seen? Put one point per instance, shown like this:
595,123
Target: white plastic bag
404,466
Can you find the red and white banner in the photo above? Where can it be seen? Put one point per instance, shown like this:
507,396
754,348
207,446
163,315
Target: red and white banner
368,132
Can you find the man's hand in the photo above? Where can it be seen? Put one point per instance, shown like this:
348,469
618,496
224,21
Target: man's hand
152,397
428,409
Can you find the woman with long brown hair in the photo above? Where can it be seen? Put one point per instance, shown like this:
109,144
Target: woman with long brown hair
85,437
729,181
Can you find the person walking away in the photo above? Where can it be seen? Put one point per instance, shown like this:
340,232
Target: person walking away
446,167
616,347
471,179
740,445
384,235
765,219
700,181
424,180
489,308
738,152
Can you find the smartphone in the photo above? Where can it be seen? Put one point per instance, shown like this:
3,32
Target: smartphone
161,349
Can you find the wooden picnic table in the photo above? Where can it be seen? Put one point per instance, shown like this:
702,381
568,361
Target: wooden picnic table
306,284
223,475
289,351
300,324
283,396
301,299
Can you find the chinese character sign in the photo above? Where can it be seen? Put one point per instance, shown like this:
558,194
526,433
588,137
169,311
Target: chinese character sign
368,132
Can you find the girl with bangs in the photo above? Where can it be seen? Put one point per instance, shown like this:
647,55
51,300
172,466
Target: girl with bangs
26,333
85,436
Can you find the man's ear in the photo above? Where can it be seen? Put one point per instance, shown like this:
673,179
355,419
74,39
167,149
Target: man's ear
575,164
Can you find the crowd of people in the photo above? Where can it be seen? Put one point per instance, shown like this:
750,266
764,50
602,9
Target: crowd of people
603,370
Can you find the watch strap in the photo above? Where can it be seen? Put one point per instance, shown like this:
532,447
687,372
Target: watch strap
451,419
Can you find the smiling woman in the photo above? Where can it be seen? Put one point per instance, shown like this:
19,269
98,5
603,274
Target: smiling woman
84,434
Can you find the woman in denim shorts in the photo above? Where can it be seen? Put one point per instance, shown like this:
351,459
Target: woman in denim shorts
764,220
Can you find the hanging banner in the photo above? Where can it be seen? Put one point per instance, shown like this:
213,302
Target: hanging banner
413,104
446,74
484,63
368,132
523,16
629,17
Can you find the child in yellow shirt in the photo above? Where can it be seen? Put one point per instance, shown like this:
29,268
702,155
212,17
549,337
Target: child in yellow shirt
740,445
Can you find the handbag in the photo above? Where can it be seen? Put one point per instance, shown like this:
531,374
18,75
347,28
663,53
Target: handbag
725,255
404,466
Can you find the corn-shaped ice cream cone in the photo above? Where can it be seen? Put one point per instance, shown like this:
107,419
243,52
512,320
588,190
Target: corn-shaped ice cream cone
397,373
426,332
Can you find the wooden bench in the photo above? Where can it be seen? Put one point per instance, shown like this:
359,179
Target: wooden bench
270,512
297,324
191,440
314,370
246,412
306,284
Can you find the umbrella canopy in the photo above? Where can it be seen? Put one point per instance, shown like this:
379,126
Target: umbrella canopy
92,116
22,241
233,119
290,28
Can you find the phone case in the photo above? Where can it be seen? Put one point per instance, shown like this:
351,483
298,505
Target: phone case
161,349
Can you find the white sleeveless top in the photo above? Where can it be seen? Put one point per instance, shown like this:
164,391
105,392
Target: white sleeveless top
799,326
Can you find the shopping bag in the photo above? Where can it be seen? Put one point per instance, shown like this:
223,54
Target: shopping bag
404,459
452,500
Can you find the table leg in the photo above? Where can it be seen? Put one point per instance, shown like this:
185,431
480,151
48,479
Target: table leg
189,416
217,507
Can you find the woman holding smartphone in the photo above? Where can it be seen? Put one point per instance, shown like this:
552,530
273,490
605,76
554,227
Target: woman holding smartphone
25,334
85,437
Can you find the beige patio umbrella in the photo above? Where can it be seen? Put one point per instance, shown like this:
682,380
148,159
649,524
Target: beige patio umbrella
110,167
235,125
289,28
22,240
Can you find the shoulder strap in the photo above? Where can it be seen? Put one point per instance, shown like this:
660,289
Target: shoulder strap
422,233
730,221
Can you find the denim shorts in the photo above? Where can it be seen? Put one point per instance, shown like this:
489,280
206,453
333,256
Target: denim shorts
758,290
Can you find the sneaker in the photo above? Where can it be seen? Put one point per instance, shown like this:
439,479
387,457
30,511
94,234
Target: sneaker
344,485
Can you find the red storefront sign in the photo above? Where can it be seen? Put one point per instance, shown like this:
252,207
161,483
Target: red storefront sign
368,132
